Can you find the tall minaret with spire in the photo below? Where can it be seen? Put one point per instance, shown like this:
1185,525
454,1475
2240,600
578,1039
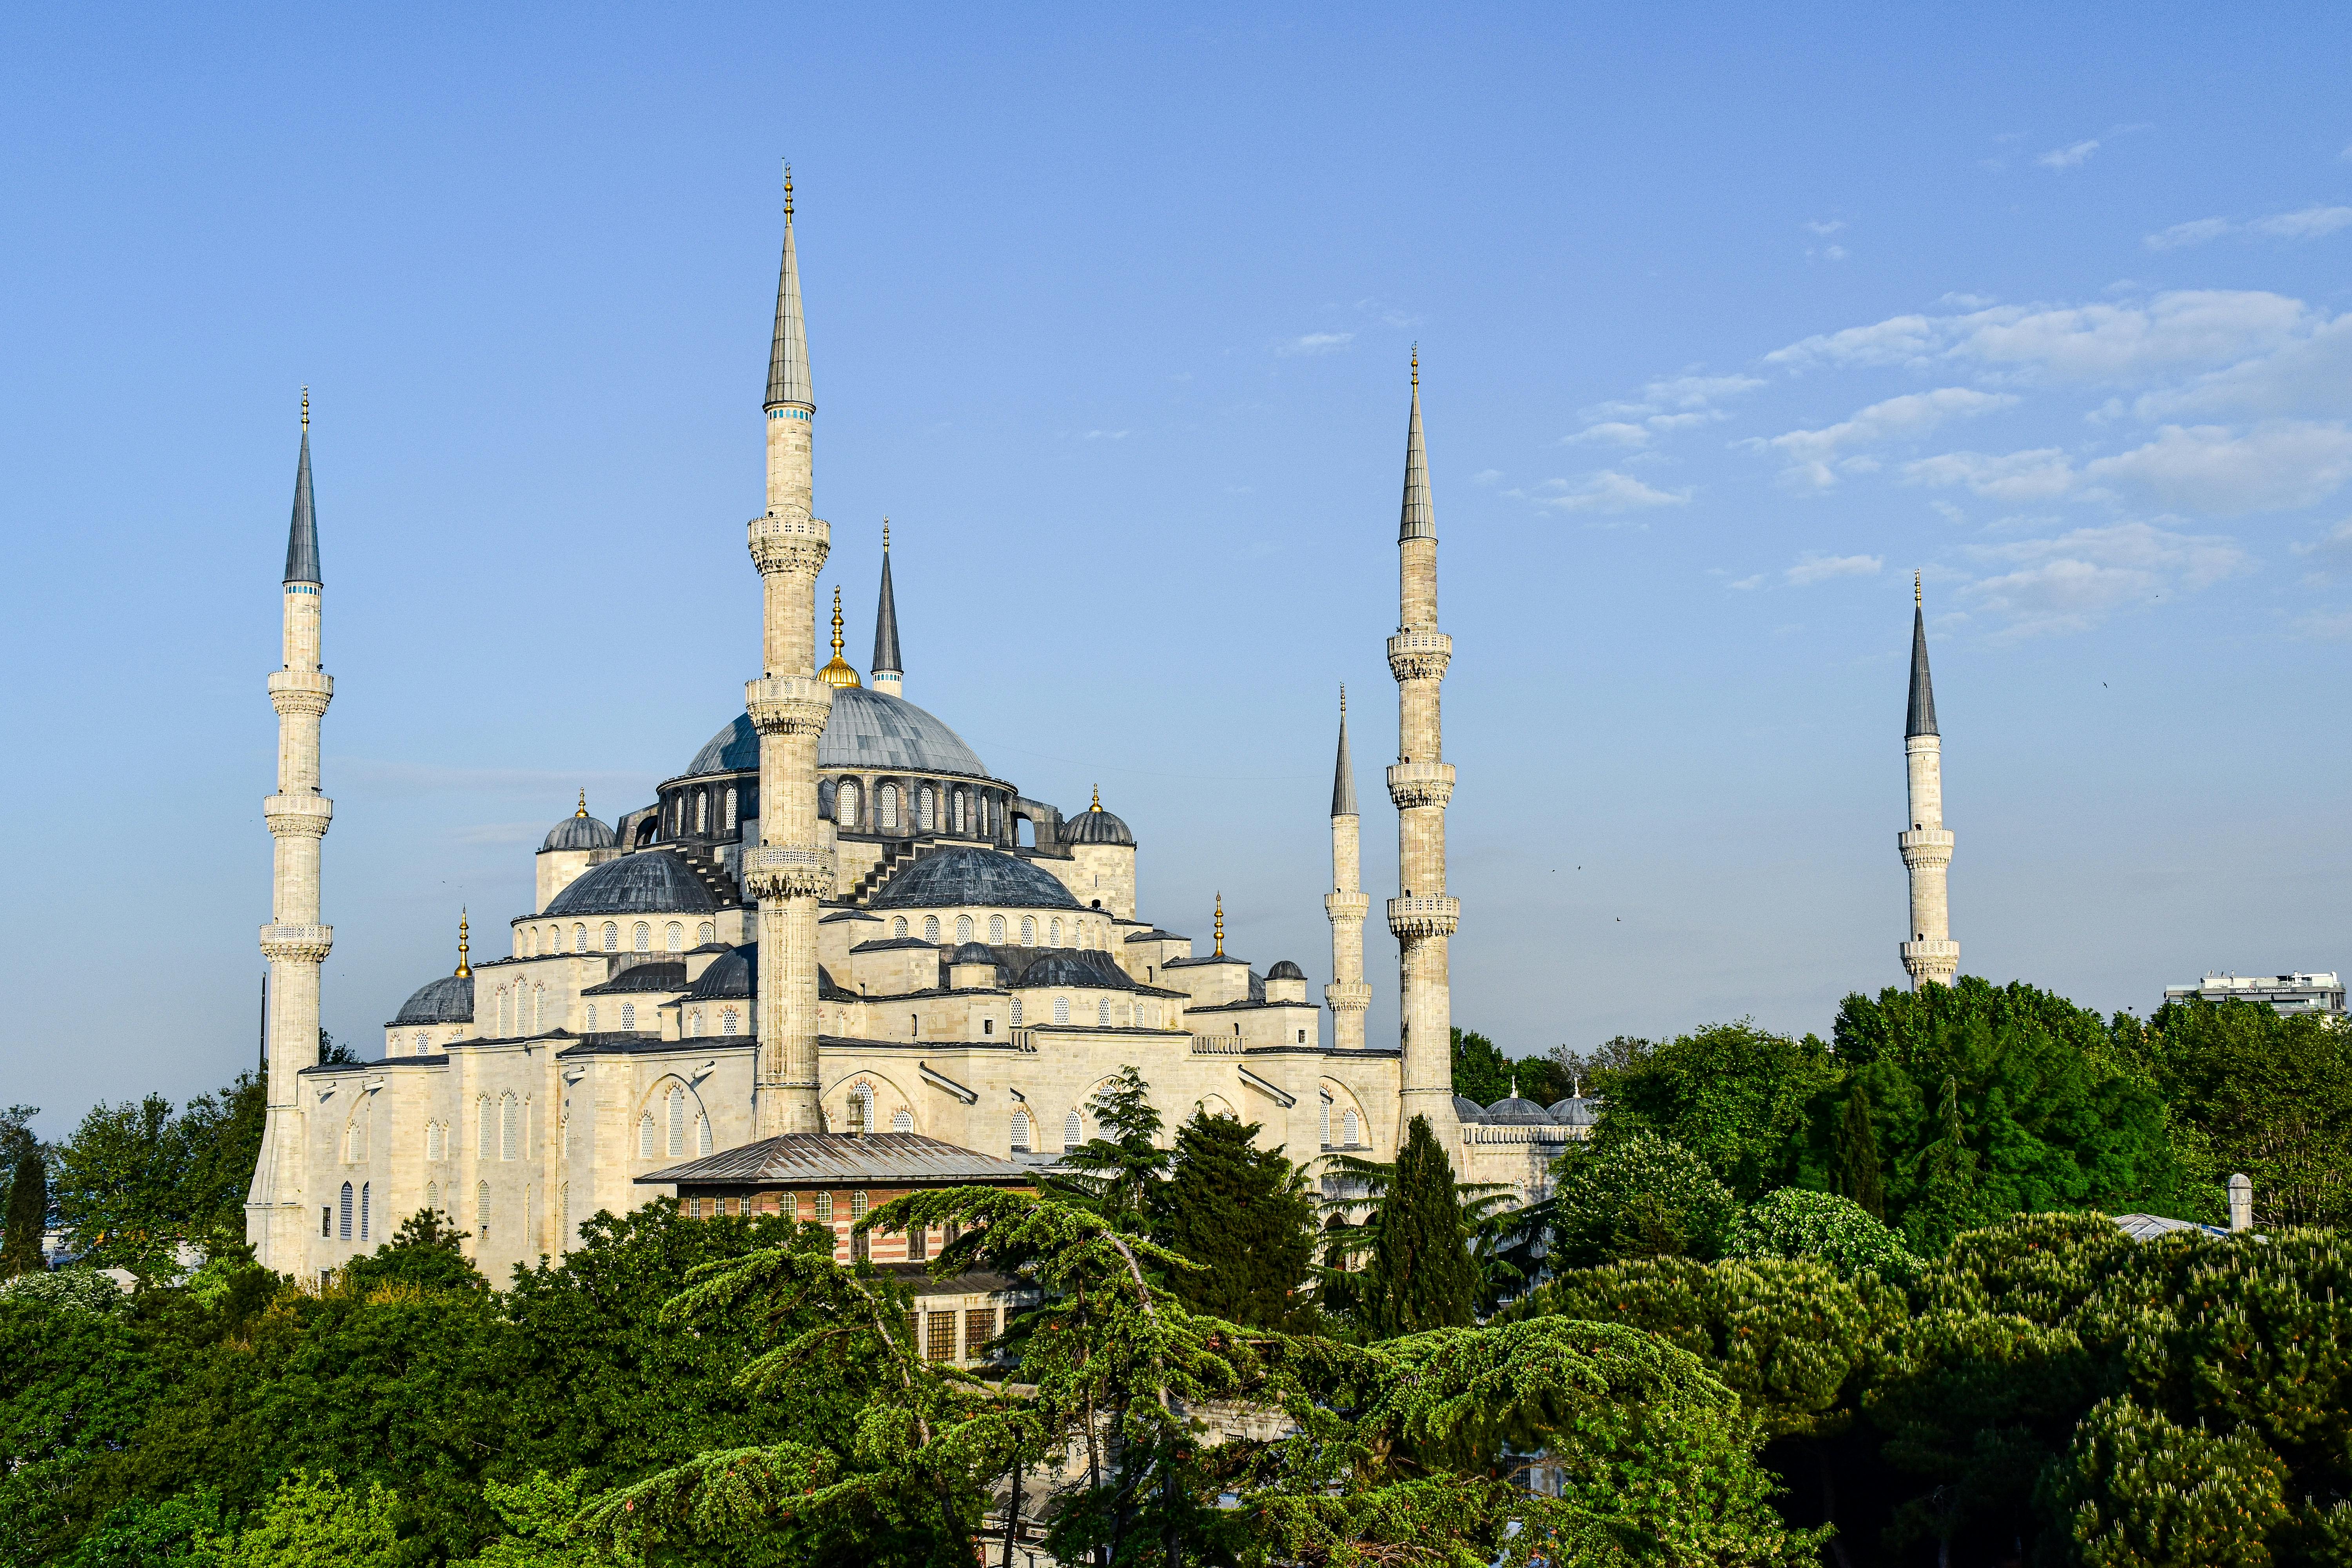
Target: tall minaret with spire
1421,784
790,869
294,941
1929,953
888,672
1347,996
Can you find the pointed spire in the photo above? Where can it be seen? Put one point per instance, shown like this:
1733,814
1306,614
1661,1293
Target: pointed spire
1343,774
886,621
1419,521
465,970
1220,927
302,538
788,372
1921,719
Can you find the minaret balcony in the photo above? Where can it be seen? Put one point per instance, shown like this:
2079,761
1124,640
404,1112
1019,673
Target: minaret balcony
298,816
788,704
1420,655
1347,908
782,542
1424,917
300,692
787,871
297,944
1926,847
1421,784
1347,995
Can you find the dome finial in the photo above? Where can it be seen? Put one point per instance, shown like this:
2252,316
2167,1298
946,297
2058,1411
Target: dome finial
465,970
787,187
306,408
584,802
885,536
1514,1086
1917,601
1097,804
1220,927
838,674
1416,366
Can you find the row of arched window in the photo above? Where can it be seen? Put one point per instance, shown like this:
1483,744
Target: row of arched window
532,941
945,808
1142,1014
501,1131
1082,933
672,1130
522,1013
339,1218
1352,1129
729,1021
690,811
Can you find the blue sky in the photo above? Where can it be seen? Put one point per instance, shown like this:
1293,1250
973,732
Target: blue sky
1730,321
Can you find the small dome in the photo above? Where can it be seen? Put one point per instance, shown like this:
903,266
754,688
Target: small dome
579,831
1468,1110
1096,825
1286,970
869,730
448,1000
1079,969
966,875
971,953
1576,1110
651,882
1516,1112
730,974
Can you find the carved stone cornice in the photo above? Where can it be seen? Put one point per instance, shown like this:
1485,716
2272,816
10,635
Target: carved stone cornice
788,704
1421,784
1420,655
788,871
781,542
1347,995
1344,907
301,691
297,944
1926,847
1424,917
1937,960
298,816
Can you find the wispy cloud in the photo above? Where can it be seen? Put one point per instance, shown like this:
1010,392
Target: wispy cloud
1106,434
1812,452
2073,157
1825,227
1609,493
2181,330
1314,343
2305,223
1614,433
1486,477
2197,231
2073,581
1812,567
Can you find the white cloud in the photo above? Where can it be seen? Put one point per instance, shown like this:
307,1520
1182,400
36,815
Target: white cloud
2183,330
1106,434
1609,493
1682,421
2073,157
1966,301
1697,391
2311,374
1896,341
2337,541
1825,227
1812,567
1314,343
1615,434
2311,223
1914,414
2037,475
1486,476
2195,232
2072,581
1747,584
1832,253
2208,468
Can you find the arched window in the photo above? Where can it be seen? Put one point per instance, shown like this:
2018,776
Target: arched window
923,804
996,930
706,932
482,1206
422,1040
645,1136
1021,1132
612,937
823,1208
885,805
343,1214
845,806
565,1241
641,937
930,927
591,1017
694,1022
1326,1123
963,929
702,811
729,825
902,1120
1102,1014
676,1122
1061,1009
529,943
363,1210
1028,930
628,1014
727,1021
579,939
433,1141
433,1194
1073,1130
858,1206
506,1016
1352,1129
538,1009
702,1135
487,1145
1054,932
1016,1012
509,1127
1084,937
674,937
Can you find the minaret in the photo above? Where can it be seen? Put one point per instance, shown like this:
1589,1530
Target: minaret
294,941
789,869
1931,956
1346,995
887,671
1421,784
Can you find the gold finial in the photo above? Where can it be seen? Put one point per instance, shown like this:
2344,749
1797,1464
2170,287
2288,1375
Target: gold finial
1416,367
1343,700
1220,927
787,187
1918,603
1097,804
584,802
465,970
838,674
885,536
306,410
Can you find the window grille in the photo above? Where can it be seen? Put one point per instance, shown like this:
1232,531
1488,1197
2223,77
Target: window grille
612,937
432,1195
727,1022
1061,1009
580,939
1327,1124
1054,938
674,937
844,811
1073,1130
902,1122
1016,1012
1021,1132
482,1205
628,1014
506,1016
996,929
645,1136
886,802
702,1134
509,1127
591,1017
963,929
923,808
1351,1128
729,820
979,1328
1102,1014
364,1209
1028,931
939,1339
694,1022
677,1122
701,811
823,1209
898,927
488,1141
641,937
930,927
706,933
343,1223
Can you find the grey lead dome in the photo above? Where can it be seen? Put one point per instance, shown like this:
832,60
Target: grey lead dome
869,730
650,882
967,875
448,1000
579,833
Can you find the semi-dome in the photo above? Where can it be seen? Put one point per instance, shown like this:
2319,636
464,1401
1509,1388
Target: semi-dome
730,975
1096,825
1516,1112
1286,970
967,874
650,882
448,1000
579,831
971,953
1468,1110
870,730
1078,969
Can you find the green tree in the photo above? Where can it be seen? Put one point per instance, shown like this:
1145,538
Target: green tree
1635,1195
537,1519
1420,1274
1739,1097
1598,1071
27,1213
1483,1073
1243,1213
1859,1174
1792,1222
425,1255
136,1179
315,1522
2136,1491
1117,1170
184,1532
76,1386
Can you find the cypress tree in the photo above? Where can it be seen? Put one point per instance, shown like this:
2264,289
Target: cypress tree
1859,1174
1243,1211
28,1207
1421,1275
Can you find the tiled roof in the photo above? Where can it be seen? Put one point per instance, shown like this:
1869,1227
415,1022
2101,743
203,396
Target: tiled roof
642,977
840,1159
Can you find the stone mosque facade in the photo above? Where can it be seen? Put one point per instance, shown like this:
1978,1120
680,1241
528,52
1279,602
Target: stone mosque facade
837,934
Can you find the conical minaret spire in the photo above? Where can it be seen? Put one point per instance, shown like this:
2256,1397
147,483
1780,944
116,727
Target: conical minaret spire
1929,953
792,867
888,672
1347,996
294,941
1423,917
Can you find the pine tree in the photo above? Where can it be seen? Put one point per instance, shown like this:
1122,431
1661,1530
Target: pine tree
28,1207
1243,1211
1421,1272
1859,1175
1117,1170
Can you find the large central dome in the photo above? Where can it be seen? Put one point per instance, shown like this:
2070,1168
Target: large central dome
870,730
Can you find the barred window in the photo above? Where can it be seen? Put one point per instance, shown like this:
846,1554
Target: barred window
923,808
729,821
938,1338
363,1210
1073,1130
612,937
591,1017
432,1195
996,929
641,937
423,1039
343,1229
565,1241
628,1014
509,1127
674,937
727,1022
902,1120
676,1122
979,1328
702,1134
885,805
706,933
930,927
898,927
1054,937
1352,1129
482,1205
694,1021
1102,1014
538,1009
963,929
1326,1123
1021,1132
579,939
1016,1012
506,1015
824,1208
1028,931
702,811
487,1141
844,806
645,1136
1061,1009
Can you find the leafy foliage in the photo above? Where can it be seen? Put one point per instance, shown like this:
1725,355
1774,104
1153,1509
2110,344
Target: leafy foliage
1739,1097
2136,1491
1483,1073
1792,1222
137,1179
1243,1214
1635,1195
